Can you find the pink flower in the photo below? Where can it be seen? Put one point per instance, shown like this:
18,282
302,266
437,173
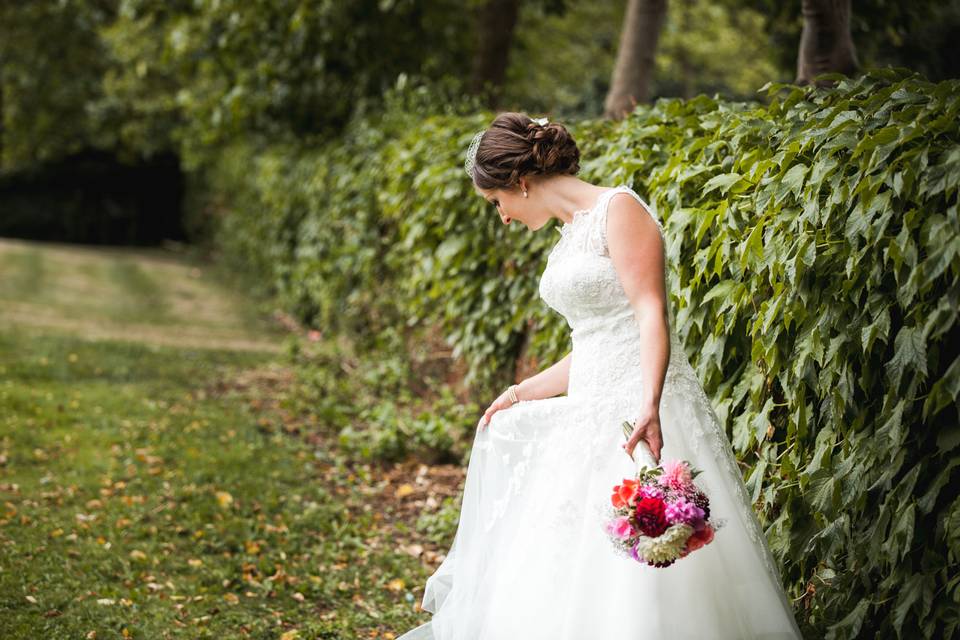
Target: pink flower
620,527
676,475
650,491
686,512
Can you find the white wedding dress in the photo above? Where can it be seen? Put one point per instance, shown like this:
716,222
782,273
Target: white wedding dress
530,559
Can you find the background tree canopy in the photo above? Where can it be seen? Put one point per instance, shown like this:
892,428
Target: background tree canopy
137,77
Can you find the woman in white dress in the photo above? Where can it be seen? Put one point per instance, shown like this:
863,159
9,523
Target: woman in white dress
530,559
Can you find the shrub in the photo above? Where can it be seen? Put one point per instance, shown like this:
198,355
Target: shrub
813,259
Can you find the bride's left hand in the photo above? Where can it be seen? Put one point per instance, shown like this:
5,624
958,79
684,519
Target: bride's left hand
646,428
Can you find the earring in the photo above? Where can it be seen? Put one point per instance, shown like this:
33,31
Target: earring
524,194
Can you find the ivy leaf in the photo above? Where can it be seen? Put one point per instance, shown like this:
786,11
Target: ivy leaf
878,329
942,393
722,181
849,626
722,290
824,491
834,533
908,594
929,498
792,181
893,427
910,352
871,142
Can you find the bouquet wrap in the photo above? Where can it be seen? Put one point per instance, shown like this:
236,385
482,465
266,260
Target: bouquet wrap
642,455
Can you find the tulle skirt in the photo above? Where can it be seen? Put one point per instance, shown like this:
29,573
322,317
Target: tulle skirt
530,558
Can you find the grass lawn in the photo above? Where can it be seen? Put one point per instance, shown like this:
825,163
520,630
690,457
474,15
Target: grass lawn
151,488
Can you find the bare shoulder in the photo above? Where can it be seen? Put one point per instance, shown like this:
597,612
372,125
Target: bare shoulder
630,226
636,250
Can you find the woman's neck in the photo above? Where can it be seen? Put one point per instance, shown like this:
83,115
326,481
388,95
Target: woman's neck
563,196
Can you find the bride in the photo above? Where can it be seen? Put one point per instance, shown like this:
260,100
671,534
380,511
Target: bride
530,559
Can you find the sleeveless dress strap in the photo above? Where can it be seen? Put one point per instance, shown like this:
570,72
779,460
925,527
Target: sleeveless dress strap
597,236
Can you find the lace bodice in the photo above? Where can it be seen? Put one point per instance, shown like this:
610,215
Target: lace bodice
580,282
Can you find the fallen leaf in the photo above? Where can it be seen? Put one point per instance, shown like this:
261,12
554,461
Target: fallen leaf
225,499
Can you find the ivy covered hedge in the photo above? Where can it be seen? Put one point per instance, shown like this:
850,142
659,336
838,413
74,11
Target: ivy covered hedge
814,256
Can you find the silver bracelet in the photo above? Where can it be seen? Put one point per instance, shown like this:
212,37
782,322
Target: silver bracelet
512,391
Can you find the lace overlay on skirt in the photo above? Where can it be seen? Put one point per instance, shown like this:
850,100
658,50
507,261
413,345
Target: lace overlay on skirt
530,558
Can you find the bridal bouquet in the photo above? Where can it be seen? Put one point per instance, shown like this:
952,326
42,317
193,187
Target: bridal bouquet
660,515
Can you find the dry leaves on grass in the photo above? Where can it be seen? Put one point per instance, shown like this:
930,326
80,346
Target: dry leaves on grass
402,491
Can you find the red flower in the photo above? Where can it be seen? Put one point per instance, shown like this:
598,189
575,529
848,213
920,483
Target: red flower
651,517
699,539
624,494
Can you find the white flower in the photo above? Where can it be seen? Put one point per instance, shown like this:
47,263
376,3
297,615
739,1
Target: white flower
541,121
667,546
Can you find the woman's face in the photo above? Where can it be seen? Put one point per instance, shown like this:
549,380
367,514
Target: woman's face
511,205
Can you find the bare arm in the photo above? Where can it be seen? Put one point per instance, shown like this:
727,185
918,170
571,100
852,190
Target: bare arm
636,249
550,382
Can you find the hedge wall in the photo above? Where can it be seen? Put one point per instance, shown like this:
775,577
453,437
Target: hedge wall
814,254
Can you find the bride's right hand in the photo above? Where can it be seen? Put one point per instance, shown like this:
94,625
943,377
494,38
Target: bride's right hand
502,402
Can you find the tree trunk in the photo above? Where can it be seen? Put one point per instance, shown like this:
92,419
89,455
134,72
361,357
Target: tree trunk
825,43
630,84
496,20
683,52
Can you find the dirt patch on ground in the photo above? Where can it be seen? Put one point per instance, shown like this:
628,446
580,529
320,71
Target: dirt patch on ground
402,491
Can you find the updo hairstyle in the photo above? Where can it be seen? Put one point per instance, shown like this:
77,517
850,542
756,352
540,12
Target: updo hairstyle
515,146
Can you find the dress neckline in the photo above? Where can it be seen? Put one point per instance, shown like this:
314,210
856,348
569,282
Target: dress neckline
566,226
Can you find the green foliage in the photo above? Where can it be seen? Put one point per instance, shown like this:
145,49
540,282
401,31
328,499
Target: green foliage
282,70
919,35
440,526
370,402
142,76
561,62
50,63
813,276
705,47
